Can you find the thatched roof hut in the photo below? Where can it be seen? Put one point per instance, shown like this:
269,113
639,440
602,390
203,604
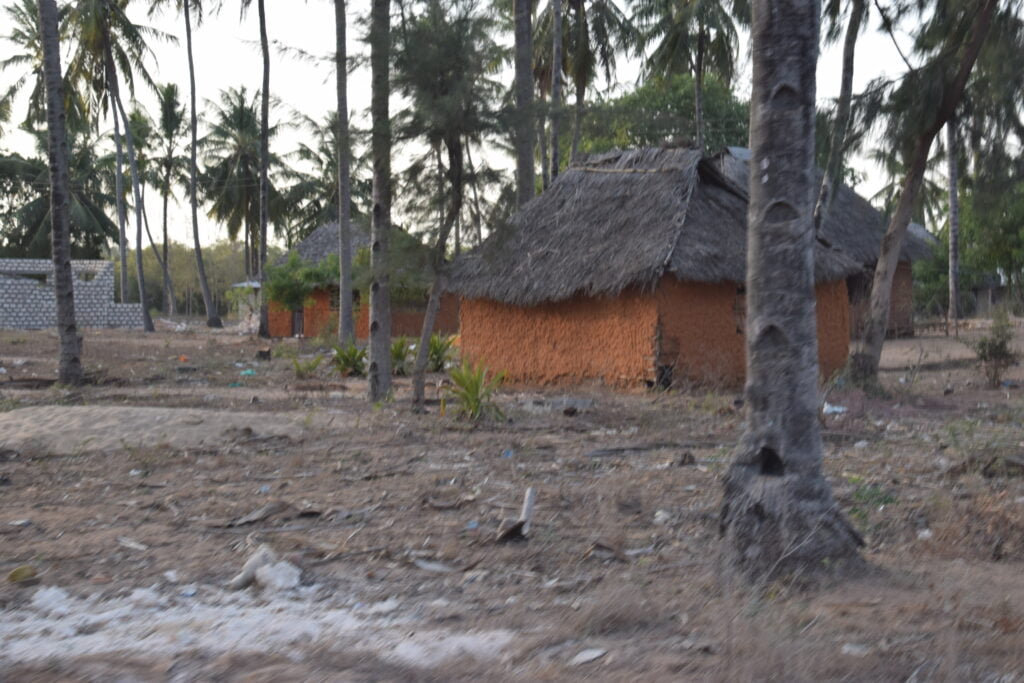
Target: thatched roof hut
325,241
630,266
623,219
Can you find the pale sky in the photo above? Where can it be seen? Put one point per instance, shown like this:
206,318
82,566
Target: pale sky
227,55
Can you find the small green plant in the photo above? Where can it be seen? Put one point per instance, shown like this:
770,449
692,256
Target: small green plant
993,349
873,495
473,391
350,360
439,352
285,351
306,369
328,335
400,349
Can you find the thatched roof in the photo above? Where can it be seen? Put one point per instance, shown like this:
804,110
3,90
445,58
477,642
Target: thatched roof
852,224
324,241
618,220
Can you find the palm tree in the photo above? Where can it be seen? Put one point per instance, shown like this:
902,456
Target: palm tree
186,7
695,36
556,82
778,515
379,367
524,125
70,366
171,170
343,153
231,180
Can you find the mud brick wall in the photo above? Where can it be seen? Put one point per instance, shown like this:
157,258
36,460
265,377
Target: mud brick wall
27,299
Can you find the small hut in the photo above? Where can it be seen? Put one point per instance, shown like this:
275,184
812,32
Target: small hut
857,228
629,269
409,293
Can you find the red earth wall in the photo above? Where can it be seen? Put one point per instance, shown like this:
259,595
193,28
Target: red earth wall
901,304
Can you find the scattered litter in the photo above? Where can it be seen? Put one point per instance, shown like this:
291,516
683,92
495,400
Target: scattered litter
189,591
264,555
662,517
832,409
265,488
182,358
171,576
924,534
587,656
278,576
517,530
23,574
20,522
432,566
135,473
131,543
472,525
508,453
235,385
861,444
248,372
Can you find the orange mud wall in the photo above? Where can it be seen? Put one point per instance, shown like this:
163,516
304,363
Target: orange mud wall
583,338
318,313
701,332
696,328
279,320
901,304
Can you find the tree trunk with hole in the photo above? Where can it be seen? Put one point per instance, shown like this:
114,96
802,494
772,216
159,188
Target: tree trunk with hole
212,318
379,365
556,84
867,352
954,230
830,178
778,515
346,314
264,330
524,130
69,368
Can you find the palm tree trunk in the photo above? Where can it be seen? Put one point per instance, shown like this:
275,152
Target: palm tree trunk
556,83
212,318
954,230
379,366
456,183
475,179
122,234
248,253
581,84
147,321
525,171
867,353
835,154
160,260
778,515
545,159
69,370
264,330
170,305
698,90
346,316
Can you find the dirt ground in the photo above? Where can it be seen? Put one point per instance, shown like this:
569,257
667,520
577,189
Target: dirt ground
130,501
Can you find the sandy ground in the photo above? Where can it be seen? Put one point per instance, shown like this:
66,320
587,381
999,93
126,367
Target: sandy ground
135,499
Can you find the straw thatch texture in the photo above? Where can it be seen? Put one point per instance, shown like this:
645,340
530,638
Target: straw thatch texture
324,241
618,220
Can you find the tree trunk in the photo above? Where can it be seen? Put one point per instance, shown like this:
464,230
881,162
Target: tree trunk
170,306
264,330
778,515
525,183
122,218
379,366
842,123
698,90
456,183
346,316
954,229
581,85
115,95
556,83
160,260
545,158
69,369
212,318
867,353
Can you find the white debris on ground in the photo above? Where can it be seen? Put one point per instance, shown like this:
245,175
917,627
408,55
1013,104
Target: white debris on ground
157,622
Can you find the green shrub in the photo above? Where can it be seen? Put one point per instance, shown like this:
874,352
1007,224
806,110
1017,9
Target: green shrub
993,350
400,349
474,391
349,361
439,352
285,351
306,369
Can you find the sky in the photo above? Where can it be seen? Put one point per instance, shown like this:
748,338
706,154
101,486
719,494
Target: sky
226,50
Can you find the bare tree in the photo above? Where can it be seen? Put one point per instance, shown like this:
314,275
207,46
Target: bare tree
778,515
379,366
70,368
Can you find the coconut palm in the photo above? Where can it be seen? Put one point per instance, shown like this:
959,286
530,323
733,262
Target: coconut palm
524,126
187,7
70,366
343,153
171,171
231,179
694,36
